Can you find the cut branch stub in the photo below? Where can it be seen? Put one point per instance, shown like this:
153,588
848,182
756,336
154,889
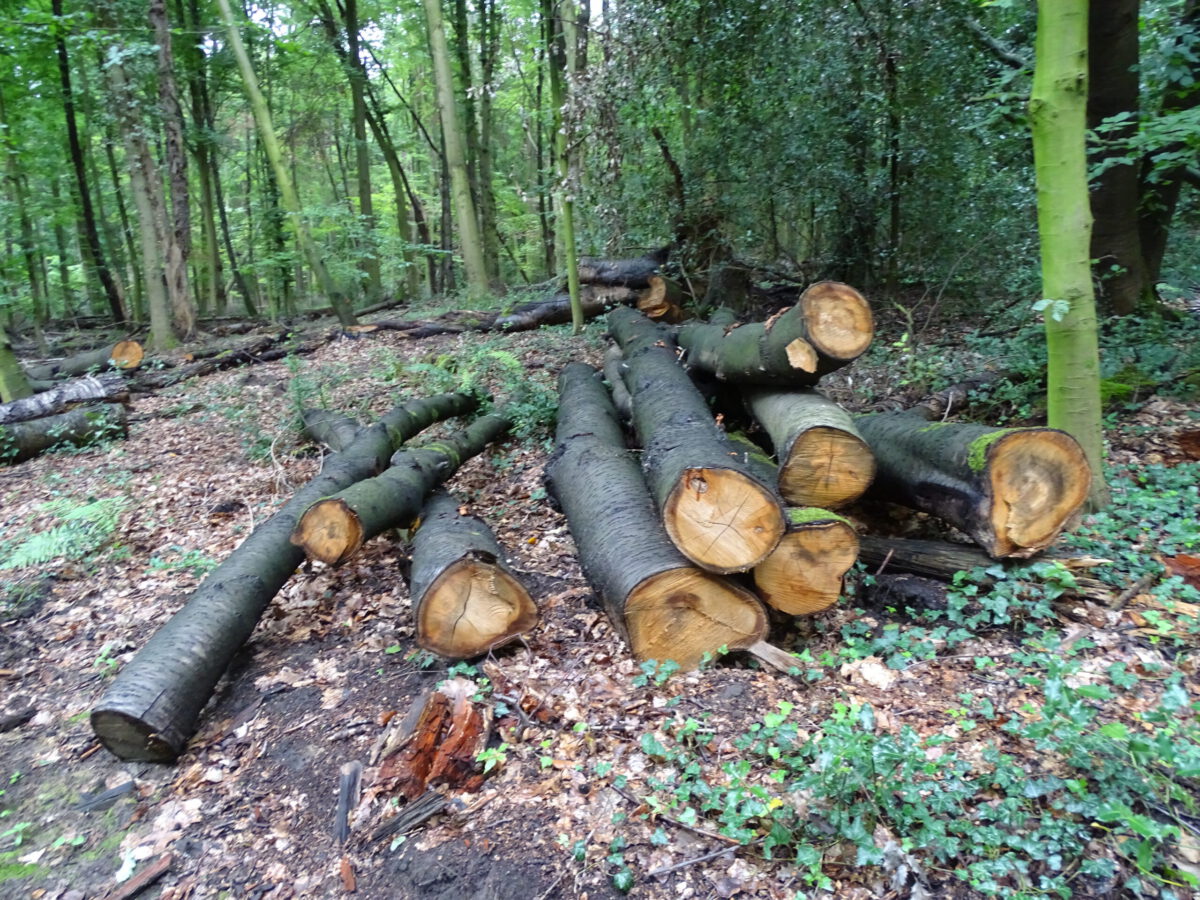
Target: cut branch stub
823,461
466,600
665,607
332,530
804,575
829,326
715,509
1011,489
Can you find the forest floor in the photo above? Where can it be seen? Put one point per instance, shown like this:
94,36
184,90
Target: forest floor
595,791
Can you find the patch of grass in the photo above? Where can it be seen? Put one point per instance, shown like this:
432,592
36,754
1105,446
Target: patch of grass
82,528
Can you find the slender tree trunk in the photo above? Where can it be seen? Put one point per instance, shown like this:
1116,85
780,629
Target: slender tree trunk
362,157
75,147
1057,110
13,383
554,13
465,93
464,207
291,201
29,248
61,245
489,50
133,272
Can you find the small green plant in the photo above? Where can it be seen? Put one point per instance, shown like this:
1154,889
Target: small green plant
194,561
493,757
82,529
657,672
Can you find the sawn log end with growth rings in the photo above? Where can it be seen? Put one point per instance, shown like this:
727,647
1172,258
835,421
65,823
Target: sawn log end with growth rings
804,574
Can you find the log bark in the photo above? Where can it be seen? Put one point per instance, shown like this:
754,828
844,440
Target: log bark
634,273
616,383
829,327
662,299
1011,489
466,599
105,386
329,428
25,440
665,607
333,529
126,355
150,709
823,461
718,513
805,574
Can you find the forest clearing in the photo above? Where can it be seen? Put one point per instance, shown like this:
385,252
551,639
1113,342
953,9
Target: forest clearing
529,450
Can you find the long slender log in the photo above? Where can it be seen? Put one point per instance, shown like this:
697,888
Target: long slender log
718,513
665,607
105,386
25,440
805,573
634,273
333,429
823,461
150,709
334,528
1012,490
126,355
829,326
466,599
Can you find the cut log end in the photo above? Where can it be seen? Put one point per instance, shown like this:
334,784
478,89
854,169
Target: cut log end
127,354
130,738
827,468
723,520
1039,479
472,607
329,531
839,319
804,574
662,300
682,614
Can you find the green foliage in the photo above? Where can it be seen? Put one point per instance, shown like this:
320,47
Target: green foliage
82,529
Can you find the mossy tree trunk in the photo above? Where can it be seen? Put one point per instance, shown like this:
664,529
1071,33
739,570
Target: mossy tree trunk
13,383
25,440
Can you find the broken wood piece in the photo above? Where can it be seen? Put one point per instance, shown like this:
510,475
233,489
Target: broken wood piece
662,299
411,817
78,428
349,780
142,879
806,572
14,720
105,386
466,599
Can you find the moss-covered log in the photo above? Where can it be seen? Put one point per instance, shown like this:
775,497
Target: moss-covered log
25,440
150,709
124,355
665,607
805,573
1011,489
823,461
334,528
466,599
829,326
717,512
105,386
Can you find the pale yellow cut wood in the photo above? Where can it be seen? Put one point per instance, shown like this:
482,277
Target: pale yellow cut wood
127,354
804,574
802,356
1039,479
723,520
472,607
839,319
827,468
329,531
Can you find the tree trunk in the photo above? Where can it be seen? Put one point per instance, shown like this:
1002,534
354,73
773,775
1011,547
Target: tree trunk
804,574
1011,489
121,355
830,326
490,18
150,709
716,511
107,386
663,606
466,600
25,440
633,273
452,136
38,294
333,529
553,13
60,245
362,156
823,461
662,300
330,429
558,310
1057,113
14,385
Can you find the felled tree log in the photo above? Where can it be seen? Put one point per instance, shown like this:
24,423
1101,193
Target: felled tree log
1011,489
333,429
664,607
596,299
150,710
265,349
125,355
823,461
466,600
662,299
634,273
334,528
25,440
717,512
105,386
804,574
616,382
829,326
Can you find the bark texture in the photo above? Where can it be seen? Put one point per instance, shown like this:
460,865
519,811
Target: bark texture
105,386
634,273
150,710
719,514
664,607
25,440
466,599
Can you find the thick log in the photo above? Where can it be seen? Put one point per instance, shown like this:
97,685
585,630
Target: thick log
662,300
466,599
124,355
805,573
1011,489
829,326
596,300
823,461
634,273
25,440
665,607
718,513
150,709
105,386
333,529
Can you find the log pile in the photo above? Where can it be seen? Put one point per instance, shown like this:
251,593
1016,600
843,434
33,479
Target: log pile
70,414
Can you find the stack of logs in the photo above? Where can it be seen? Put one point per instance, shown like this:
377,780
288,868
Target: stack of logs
664,541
